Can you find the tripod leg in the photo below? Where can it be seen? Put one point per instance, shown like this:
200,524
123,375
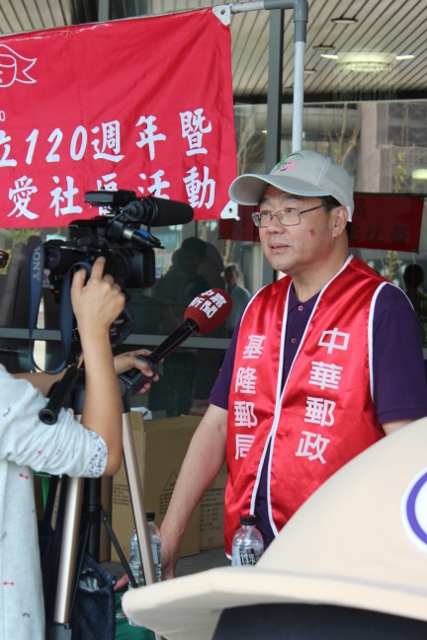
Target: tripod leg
137,501
113,538
66,573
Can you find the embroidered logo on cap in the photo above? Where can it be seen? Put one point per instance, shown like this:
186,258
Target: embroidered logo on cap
414,511
288,162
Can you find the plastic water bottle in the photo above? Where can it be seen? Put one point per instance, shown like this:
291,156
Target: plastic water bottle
248,545
156,544
135,563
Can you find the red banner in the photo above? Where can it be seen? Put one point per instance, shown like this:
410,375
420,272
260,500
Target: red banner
380,221
391,222
143,104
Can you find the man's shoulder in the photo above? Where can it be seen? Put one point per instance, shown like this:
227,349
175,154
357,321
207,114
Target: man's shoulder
390,294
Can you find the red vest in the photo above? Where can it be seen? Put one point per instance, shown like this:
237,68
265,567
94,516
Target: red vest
325,414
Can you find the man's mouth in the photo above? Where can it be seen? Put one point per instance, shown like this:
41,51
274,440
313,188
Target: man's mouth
278,246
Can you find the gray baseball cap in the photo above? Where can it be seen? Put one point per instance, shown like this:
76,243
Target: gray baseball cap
302,173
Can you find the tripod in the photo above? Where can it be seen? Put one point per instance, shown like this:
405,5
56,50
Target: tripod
68,572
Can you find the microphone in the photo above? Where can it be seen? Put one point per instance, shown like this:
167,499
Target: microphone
153,212
205,313
158,212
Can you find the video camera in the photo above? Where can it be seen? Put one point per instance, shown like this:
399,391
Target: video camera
117,236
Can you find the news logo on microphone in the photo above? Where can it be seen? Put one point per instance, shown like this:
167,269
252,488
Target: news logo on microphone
209,310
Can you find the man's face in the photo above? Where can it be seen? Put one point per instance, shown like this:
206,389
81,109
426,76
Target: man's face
298,249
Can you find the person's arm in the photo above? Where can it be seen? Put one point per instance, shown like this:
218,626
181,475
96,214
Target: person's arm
128,360
400,389
122,362
96,304
204,459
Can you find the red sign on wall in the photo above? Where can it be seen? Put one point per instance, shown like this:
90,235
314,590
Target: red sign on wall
389,222
143,104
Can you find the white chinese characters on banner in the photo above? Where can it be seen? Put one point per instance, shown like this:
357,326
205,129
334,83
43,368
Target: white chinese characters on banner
21,197
243,444
107,146
59,195
253,350
193,129
246,379
320,411
5,161
312,445
148,115
244,415
110,142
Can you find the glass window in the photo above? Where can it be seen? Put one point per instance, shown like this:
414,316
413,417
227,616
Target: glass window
381,144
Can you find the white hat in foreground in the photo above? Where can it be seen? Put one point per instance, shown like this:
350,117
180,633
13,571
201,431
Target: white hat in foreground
359,541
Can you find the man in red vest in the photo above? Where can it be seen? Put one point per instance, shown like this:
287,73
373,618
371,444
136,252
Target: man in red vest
325,362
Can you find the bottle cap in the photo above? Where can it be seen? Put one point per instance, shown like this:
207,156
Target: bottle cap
248,520
150,515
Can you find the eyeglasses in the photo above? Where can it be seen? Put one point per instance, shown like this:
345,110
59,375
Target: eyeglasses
287,217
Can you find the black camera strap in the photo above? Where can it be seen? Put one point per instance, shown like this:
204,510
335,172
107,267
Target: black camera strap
119,331
66,311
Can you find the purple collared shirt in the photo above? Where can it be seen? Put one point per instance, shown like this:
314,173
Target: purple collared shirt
400,387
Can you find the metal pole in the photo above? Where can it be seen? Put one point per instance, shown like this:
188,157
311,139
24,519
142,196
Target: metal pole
300,38
300,8
274,108
103,10
298,102
274,96
242,7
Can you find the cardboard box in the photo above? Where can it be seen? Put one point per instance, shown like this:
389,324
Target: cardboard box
212,513
160,447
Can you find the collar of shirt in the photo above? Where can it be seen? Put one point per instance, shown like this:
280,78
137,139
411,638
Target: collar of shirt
294,303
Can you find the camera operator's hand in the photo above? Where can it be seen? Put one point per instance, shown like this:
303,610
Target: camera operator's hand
99,301
96,304
126,361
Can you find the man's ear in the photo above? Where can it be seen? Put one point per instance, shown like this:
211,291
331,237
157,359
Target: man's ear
340,215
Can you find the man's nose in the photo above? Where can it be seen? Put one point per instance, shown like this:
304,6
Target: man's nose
274,223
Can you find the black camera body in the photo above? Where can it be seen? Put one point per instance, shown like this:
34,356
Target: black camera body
117,236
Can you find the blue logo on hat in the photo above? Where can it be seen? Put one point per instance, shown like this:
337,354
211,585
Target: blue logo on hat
414,510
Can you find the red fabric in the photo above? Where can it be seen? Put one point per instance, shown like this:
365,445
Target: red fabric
391,222
143,104
326,415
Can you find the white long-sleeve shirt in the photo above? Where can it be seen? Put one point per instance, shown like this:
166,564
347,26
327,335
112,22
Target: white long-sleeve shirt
27,444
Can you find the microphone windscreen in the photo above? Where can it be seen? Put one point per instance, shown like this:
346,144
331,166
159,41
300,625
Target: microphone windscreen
167,212
209,309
